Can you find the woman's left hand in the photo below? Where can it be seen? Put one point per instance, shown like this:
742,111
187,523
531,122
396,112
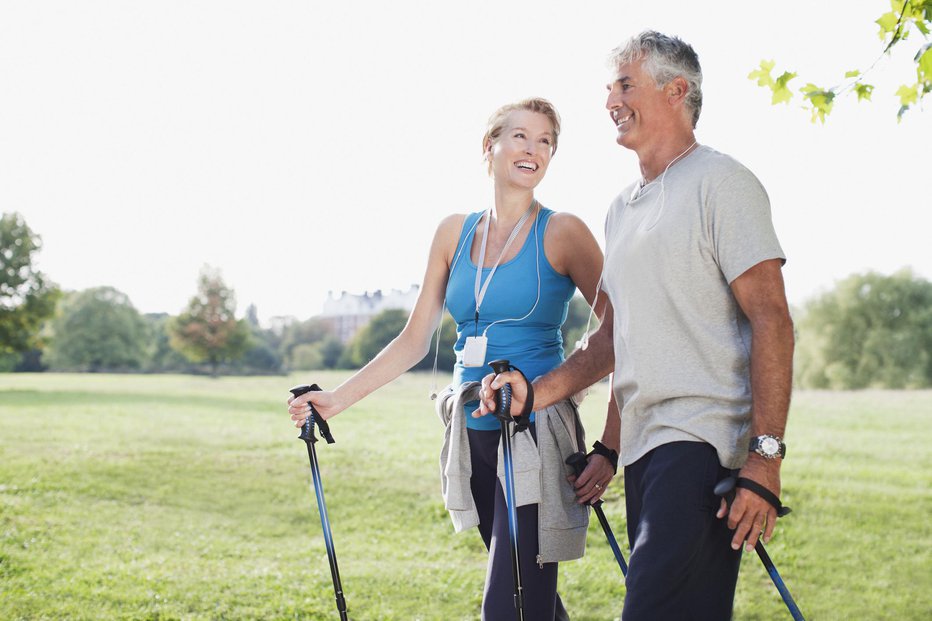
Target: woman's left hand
594,480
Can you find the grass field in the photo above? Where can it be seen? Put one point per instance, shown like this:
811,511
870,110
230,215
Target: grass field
174,497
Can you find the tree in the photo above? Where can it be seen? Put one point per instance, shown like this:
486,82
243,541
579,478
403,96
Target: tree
208,331
306,357
310,332
378,333
446,357
331,349
870,331
252,316
320,354
905,16
26,298
97,330
262,357
163,358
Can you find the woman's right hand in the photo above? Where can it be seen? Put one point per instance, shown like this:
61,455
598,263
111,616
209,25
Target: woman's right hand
325,402
492,383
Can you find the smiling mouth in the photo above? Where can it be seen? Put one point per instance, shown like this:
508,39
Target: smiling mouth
525,165
620,120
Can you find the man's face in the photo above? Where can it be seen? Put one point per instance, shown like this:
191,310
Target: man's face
639,110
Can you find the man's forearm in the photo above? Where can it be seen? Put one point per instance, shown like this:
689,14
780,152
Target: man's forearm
582,369
611,433
771,375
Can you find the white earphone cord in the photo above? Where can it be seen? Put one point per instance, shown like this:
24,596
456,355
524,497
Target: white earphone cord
583,343
433,377
528,314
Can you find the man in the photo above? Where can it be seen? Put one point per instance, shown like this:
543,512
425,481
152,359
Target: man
699,338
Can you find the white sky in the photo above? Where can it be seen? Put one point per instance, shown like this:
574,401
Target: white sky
304,147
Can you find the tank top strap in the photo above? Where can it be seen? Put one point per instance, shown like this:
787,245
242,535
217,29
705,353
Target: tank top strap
465,240
544,218
467,234
469,228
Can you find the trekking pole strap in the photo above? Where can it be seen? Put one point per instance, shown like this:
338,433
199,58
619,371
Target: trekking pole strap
764,493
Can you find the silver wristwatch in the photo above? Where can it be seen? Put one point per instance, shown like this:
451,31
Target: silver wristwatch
768,447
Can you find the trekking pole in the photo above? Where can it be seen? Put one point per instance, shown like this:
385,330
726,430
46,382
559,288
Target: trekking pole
503,413
307,434
726,489
578,462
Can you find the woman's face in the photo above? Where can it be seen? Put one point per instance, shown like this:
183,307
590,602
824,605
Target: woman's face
521,153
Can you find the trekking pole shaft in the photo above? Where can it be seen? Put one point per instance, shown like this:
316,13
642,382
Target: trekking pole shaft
726,489
503,413
613,544
577,461
307,434
778,582
512,519
328,534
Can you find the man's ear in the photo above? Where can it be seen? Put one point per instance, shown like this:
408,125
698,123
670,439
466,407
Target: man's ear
676,90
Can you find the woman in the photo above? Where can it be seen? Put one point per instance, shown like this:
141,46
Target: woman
533,260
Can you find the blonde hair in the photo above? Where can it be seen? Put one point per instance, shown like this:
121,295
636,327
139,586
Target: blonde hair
498,119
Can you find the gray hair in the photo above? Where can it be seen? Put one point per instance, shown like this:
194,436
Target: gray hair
664,58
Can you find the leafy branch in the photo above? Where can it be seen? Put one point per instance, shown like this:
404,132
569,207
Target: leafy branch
905,16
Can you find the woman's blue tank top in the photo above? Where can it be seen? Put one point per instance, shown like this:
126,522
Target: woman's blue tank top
534,344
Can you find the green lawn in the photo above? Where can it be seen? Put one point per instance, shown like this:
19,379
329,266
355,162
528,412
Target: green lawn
175,497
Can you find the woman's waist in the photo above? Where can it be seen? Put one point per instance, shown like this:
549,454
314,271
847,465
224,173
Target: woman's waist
505,336
532,366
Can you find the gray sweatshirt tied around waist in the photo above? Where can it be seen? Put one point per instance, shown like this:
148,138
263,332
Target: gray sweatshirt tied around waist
540,472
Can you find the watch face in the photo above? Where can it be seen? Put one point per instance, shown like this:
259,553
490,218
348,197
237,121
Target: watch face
770,446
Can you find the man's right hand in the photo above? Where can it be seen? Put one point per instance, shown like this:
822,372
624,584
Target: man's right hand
492,383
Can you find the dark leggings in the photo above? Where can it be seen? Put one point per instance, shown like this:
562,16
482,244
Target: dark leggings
539,582
682,567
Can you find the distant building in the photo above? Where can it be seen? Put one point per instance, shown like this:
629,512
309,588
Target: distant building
349,313
279,323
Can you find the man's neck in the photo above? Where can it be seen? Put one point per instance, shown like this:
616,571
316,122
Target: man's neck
655,160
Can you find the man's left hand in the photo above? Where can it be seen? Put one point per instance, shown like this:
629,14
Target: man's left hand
751,515
594,480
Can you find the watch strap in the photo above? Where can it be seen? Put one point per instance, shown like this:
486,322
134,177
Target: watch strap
757,441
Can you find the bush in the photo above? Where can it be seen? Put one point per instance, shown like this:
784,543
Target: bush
870,331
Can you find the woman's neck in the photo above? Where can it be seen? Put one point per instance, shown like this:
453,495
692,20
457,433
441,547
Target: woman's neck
509,206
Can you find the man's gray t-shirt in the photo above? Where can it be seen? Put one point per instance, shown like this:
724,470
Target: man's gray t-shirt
682,343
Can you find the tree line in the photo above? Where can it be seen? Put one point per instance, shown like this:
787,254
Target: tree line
870,331
99,329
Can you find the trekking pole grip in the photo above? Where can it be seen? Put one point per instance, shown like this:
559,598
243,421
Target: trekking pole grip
307,431
577,461
503,394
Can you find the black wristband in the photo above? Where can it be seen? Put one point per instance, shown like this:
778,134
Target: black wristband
612,456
